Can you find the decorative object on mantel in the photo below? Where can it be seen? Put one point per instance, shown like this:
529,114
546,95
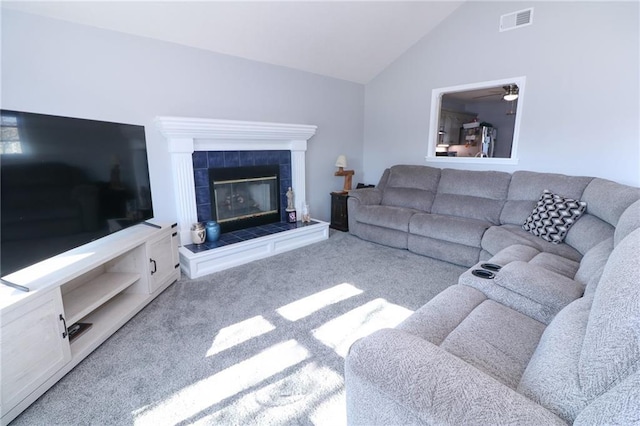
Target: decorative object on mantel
198,233
291,210
212,231
341,163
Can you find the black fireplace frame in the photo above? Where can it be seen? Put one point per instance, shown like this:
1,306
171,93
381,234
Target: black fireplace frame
247,172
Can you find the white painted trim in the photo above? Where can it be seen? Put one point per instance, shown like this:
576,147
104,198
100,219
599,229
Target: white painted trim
436,100
473,160
185,135
196,265
204,128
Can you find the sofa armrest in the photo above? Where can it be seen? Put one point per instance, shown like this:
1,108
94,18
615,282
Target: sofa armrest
539,284
526,288
367,196
393,377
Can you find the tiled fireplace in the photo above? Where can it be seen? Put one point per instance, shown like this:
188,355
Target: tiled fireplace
197,145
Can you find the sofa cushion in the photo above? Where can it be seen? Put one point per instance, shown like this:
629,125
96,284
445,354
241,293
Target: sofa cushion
592,265
471,194
458,254
411,187
608,200
588,232
412,198
512,253
435,320
496,340
611,349
385,216
629,222
558,264
418,177
553,216
393,377
448,228
485,184
497,238
525,189
619,406
551,378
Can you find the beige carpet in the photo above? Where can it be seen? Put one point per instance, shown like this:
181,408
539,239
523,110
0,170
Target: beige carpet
262,343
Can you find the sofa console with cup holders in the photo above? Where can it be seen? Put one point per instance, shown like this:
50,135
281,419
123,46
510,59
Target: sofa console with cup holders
544,326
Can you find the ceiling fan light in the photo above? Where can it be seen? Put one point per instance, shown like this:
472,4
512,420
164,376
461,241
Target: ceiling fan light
511,93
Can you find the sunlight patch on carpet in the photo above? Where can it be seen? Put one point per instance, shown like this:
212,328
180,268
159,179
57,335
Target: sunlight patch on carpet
201,395
239,332
342,331
308,305
307,389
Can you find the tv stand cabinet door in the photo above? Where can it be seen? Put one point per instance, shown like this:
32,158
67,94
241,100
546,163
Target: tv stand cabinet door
163,265
33,346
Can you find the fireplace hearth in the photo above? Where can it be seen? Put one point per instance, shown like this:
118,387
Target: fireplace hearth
193,141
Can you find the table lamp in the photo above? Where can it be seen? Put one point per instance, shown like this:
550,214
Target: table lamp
341,163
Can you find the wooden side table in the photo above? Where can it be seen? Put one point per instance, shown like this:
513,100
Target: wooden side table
339,214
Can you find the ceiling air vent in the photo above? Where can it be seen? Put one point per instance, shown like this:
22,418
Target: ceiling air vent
517,19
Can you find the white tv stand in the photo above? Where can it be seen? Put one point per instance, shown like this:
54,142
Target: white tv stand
104,283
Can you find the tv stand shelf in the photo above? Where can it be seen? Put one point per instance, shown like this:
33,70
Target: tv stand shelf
83,300
104,283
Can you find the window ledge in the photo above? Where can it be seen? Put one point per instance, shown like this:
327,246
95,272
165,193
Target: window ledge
472,160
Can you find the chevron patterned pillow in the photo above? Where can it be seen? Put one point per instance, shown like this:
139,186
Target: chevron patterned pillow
553,216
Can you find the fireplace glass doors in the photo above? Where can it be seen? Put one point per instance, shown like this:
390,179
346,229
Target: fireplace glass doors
243,197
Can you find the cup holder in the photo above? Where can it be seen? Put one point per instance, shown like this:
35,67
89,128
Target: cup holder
491,267
483,273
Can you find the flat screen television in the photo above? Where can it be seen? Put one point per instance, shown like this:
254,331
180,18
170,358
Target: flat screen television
66,182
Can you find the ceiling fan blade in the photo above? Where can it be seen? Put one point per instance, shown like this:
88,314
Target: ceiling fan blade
487,96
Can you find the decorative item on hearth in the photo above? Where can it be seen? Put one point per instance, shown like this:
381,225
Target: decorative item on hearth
291,210
306,216
341,163
212,230
198,233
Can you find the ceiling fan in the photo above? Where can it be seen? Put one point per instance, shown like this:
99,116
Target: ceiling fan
509,93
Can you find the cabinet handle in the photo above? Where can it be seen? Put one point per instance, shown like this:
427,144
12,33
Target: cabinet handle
64,334
155,266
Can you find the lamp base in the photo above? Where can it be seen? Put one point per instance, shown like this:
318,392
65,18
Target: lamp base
348,176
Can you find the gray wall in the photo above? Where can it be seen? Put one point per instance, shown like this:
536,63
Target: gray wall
581,107
55,67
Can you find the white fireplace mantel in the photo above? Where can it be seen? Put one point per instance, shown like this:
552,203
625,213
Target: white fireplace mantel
186,135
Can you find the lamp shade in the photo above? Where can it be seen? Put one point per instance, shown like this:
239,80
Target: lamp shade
341,161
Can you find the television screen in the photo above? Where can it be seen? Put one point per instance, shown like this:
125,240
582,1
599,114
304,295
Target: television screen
66,182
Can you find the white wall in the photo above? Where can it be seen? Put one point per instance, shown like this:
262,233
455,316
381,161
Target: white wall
55,67
581,108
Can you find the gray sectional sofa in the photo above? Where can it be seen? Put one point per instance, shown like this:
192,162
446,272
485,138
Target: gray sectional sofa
551,337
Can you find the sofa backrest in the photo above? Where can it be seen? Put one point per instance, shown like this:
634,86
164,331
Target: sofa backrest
471,194
606,201
593,263
593,344
611,347
526,187
629,221
410,186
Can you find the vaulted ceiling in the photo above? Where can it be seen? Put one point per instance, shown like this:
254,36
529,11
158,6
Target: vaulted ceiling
350,40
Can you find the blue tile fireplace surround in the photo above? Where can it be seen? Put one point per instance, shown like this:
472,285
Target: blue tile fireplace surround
205,160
